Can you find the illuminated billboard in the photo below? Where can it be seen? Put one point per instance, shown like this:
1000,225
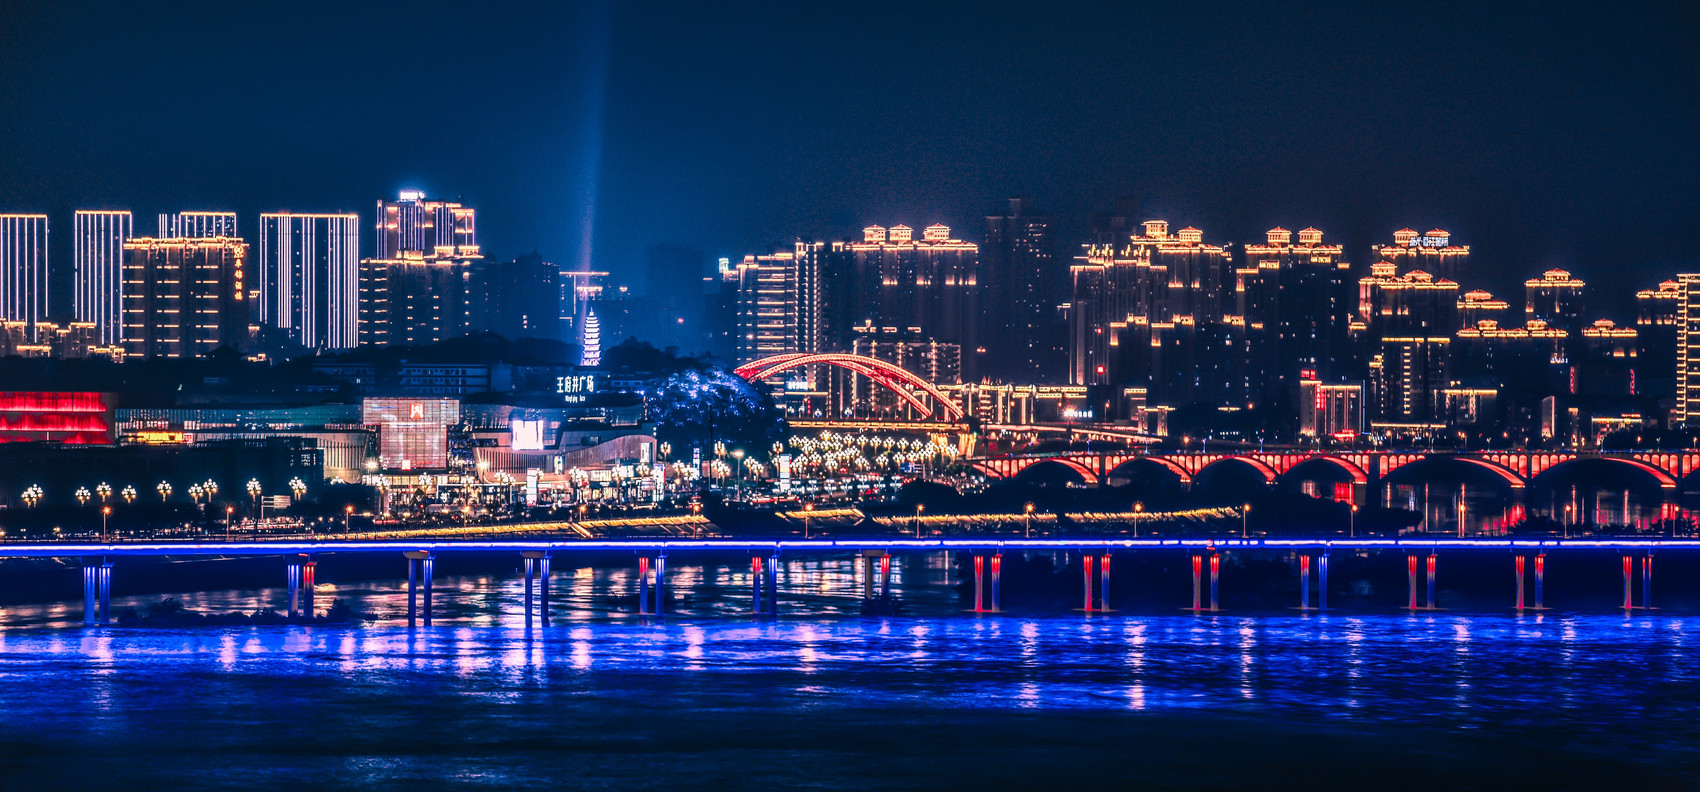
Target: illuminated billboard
528,435
413,434
31,416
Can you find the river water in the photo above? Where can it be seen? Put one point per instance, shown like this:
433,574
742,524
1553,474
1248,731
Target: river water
825,698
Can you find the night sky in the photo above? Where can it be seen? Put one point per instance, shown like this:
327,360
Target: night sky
1542,134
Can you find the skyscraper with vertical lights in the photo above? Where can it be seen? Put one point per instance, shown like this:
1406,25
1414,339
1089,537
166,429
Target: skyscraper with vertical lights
1152,314
309,278
1023,283
1432,253
184,297
415,223
197,225
23,269
927,288
98,265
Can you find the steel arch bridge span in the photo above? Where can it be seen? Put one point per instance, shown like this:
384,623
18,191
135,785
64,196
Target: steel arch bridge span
893,378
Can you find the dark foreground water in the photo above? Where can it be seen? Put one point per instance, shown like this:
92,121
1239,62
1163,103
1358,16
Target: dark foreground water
716,700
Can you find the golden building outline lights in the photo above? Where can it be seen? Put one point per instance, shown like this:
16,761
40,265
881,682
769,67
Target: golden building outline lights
197,225
308,282
1432,252
414,223
98,237
928,286
417,298
184,297
23,268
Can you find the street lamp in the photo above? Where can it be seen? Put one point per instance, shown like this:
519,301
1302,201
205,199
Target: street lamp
105,511
808,508
347,514
918,509
1352,523
1137,508
129,494
83,496
229,514
1029,521
297,487
254,491
32,495
1245,516
164,490
104,490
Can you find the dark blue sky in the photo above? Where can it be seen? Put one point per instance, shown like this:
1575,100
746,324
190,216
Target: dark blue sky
1540,133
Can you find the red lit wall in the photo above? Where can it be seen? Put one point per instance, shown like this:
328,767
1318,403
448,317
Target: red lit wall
27,416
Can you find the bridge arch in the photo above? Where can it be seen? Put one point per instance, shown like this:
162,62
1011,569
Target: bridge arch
1263,468
891,377
1350,468
1515,481
1664,480
1163,462
1039,467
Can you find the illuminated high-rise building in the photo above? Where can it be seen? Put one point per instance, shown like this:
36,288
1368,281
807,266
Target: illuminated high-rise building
1432,253
1022,284
927,288
98,268
23,269
1410,320
1687,412
1657,322
1156,311
185,297
416,298
197,225
1294,300
1478,305
1555,298
779,302
309,278
517,298
423,226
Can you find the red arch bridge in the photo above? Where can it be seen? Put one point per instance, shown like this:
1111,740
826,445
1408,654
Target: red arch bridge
1367,470
906,385
874,554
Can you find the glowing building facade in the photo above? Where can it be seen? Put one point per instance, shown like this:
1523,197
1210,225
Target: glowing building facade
1022,284
1555,298
1157,311
1687,412
926,288
413,223
98,266
309,278
23,269
1294,300
1432,253
197,225
185,297
416,298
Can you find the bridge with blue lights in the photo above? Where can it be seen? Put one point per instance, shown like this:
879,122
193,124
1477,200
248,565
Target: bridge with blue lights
1096,555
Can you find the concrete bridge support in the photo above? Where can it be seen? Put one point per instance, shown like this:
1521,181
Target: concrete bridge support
756,585
979,583
1086,562
97,590
1197,567
1104,582
1540,579
419,563
773,584
643,585
997,582
536,565
1304,582
661,584
1322,582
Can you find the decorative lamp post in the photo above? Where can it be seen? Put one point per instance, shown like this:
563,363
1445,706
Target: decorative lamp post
1029,520
164,490
808,509
105,511
82,495
1138,507
919,507
104,490
254,492
129,494
347,514
297,487
1245,517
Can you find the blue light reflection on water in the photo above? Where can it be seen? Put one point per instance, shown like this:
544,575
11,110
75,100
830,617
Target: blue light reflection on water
1627,685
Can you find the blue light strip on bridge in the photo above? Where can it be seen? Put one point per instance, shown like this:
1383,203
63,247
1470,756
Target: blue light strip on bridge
66,549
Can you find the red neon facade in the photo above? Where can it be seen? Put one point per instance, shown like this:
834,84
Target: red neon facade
66,417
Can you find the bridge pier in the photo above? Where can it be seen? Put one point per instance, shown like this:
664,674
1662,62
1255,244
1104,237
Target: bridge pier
419,563
661,584
1197,567
885,576
755,585
1322,581
309,575
1520,561
1647,581
97,590
1432,557
1215,575
773,584
1628,590
537,565
1104,582
1411,581
1540,579
1304,582
1086,561
643,585
292,578
979,583
997,582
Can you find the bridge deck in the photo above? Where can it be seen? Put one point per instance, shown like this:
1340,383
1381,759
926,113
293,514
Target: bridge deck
69,549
